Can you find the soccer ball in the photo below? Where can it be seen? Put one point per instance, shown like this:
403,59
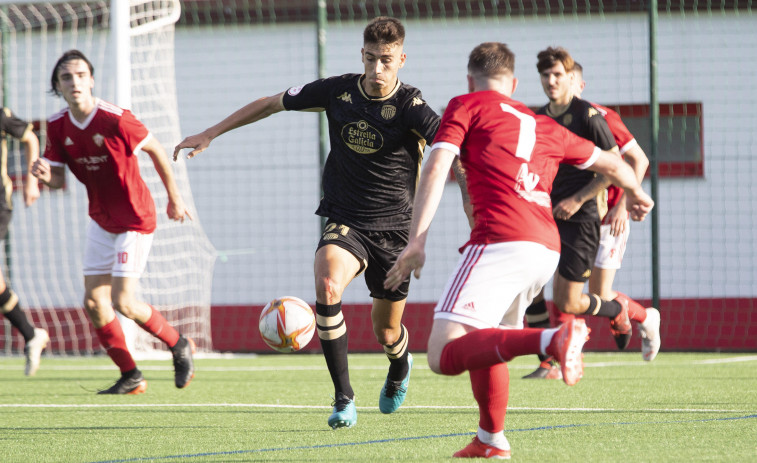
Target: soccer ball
287,324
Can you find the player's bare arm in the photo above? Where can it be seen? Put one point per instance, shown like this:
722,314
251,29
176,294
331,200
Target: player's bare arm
457,168
638,203
427,198
31,187
253,112
176,208
52,176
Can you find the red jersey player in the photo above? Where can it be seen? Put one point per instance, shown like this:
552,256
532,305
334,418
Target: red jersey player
99,143
510,157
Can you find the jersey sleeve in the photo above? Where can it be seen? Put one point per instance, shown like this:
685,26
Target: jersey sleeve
309,97
599,131
422,119
133,131
12,125
53,147
579,151
453,127
623,137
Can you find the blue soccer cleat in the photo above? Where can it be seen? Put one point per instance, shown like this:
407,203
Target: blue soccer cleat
345,414
394,392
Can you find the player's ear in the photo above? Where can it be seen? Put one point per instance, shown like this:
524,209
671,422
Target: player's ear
362,55
515,84
403,57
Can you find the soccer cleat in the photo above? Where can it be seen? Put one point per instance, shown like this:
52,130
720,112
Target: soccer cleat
33,350
548,369
649,330
478,449
131,383
566,346
183,365
620,326
393,393
345,414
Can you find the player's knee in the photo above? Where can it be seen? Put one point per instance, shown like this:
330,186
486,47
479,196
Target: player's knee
434,361
124,306
328,290
386,336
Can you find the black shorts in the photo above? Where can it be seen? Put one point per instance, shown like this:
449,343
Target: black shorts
376,250
579,242
5,218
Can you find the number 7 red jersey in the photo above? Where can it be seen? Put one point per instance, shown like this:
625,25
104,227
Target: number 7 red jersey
510,156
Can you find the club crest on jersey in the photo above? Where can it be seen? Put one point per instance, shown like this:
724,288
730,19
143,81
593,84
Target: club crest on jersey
388,111
567,119
98,139
362,138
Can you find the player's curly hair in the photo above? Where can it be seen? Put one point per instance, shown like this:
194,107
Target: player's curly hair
553,55
384,30
491,59
70,55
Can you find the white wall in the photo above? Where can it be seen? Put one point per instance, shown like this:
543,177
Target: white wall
707,238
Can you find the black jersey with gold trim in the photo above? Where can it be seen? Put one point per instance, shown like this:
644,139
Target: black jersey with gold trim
377,145
16,128
585,121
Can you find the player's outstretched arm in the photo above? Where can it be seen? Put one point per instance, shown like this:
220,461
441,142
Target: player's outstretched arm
253,112
176,208
427,198
31,187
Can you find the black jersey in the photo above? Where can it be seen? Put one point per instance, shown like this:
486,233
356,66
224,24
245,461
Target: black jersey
16,128
377,144
585,121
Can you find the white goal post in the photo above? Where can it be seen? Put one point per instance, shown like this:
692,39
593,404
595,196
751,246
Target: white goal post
130,44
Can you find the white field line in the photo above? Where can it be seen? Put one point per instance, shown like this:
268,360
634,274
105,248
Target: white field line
406,407
168,367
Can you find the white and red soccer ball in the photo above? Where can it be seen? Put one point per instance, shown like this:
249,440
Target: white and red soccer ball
287,324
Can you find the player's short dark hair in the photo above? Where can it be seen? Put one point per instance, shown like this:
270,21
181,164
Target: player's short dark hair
384,30
553,55
578,68
70,55
491,59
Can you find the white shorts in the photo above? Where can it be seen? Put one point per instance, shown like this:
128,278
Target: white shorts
611,248
493,284
117,254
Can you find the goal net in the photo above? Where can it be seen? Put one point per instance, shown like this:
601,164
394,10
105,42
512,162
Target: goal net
44,248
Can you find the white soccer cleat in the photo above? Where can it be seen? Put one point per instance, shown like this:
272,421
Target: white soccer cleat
33,350
650,334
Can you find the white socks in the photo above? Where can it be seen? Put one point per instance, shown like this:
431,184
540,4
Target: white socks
546,338
496,439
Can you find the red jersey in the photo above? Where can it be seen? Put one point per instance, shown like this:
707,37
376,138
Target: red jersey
101,153
510,156
625,141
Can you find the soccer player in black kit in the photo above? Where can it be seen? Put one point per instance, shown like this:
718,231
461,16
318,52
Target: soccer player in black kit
378,128
576,208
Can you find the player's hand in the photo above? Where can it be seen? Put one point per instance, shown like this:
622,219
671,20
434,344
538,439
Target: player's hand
565,209
617,218
639,204
177,210
198,143
41,170
31,190
410,260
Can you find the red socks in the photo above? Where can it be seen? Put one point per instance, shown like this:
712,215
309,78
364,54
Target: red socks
491,390
160,328
112,339
486,348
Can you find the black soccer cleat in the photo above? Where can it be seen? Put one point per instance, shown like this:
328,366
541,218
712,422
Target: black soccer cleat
183,365
547,369
132,383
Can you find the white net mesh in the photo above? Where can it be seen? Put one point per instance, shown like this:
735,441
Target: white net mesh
45,244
